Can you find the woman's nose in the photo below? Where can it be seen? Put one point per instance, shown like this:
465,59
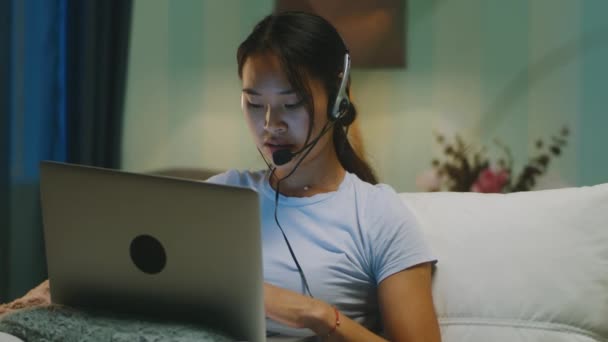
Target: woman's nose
274,122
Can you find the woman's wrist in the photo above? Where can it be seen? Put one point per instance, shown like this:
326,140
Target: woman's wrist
322,318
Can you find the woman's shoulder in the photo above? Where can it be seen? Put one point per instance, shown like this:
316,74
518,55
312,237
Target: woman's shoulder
395,240
244,178
380,194
380,202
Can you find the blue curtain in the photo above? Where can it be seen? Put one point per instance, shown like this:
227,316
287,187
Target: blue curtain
34,125
4,143
62,85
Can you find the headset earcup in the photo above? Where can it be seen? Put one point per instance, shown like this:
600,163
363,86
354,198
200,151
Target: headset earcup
349,116
345,114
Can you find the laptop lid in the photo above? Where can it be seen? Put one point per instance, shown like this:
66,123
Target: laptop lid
167,247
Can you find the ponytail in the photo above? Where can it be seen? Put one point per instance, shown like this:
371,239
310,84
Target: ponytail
350,160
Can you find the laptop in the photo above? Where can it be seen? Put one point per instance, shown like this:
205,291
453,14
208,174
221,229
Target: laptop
161,247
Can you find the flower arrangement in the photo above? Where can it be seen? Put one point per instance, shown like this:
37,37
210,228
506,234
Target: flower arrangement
464,169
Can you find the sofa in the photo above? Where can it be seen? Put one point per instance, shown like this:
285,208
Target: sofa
529,266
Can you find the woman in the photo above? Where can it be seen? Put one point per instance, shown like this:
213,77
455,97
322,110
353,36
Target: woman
343,257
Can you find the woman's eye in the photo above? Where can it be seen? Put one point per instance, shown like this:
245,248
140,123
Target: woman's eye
254,105
294,105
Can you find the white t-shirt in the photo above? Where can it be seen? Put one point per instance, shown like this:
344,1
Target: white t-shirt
346,242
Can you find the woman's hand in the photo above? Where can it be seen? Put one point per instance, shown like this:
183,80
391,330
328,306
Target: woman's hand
298,311
38,296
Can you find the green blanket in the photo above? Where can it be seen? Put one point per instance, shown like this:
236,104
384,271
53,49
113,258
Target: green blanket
57,323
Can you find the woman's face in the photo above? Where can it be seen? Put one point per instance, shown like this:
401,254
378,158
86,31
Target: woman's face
277,117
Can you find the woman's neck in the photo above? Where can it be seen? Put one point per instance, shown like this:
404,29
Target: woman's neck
311,178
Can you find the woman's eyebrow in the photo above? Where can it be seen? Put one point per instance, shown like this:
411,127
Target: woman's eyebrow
282,92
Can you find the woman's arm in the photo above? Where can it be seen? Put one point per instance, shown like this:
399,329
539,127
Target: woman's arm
405,301
406,305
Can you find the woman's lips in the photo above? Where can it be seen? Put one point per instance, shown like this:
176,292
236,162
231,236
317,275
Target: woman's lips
273,147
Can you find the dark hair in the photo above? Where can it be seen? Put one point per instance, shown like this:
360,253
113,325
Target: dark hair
309,46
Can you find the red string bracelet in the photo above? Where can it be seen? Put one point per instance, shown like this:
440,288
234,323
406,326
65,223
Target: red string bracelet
337,324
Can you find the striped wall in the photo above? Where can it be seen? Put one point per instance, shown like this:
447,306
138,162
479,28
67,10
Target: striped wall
513,70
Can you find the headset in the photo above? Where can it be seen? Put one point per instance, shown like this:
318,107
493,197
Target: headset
342,101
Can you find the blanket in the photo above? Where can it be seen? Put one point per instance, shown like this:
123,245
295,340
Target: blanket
58,323
33,318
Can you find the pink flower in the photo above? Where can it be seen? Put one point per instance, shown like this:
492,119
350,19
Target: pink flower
490,181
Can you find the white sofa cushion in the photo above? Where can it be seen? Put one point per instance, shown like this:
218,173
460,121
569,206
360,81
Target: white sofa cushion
529,266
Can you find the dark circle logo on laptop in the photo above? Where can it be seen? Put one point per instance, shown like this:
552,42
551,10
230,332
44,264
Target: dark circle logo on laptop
148,254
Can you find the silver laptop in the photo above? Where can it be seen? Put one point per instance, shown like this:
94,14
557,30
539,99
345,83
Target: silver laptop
162,247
